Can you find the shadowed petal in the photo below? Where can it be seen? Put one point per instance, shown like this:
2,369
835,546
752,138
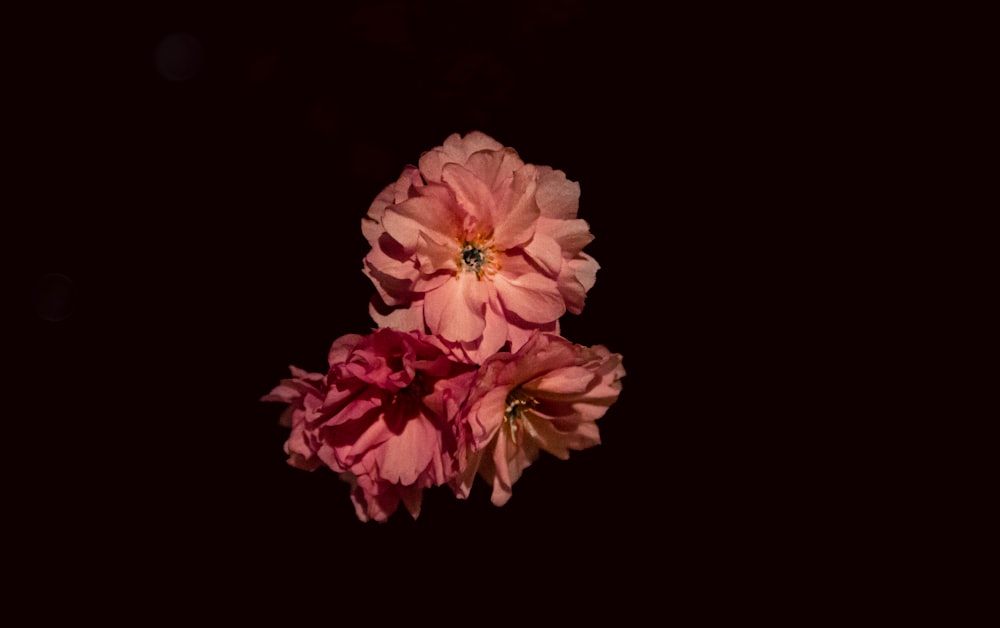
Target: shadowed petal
546,252
462,484
407,318
434,256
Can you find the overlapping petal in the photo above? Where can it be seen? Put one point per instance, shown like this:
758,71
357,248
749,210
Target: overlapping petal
384,416
547,396
475,256
474,213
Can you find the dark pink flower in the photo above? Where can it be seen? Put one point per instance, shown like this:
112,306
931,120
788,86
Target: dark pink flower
547,396
384,417
477,247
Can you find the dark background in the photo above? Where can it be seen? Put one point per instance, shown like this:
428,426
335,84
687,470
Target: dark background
210,230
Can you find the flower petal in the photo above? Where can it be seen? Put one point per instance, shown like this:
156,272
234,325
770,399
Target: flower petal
404,222
495,168
434,256
568,380
472,194
544,250
500,471
559,443
514,219
576,278
402,459
412,497
487,414
462,484
495,334
557,197
571,235
341,348
532,296
371,224
510,461
407,318
288,391
456,309
455,149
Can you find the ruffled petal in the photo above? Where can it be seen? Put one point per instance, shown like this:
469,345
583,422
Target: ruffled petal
371,501
371,224
407,318
304,375
545,434
495,333
412,498
402,459
515,218
472,194
461,485
407,220
456,310
560,382
546,252
455,149
585,269
576,278
286,392
495,168
509,462
571,235
532,296
519,334
341,348
435,256
487,415
557,197
499,468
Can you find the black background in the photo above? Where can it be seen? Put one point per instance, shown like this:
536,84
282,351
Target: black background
211,228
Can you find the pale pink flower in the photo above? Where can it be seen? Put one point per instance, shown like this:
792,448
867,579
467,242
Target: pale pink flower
477,247
384,417
547,396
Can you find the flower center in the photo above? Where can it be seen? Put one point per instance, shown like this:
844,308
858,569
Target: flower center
477,257
473,257
514,406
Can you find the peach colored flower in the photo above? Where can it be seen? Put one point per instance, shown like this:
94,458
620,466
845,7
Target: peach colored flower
477,247
546,396
383,416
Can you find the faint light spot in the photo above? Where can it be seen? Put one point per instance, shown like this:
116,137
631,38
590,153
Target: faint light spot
55,297
179,57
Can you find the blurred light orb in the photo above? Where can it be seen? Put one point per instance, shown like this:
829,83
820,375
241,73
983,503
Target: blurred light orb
179,57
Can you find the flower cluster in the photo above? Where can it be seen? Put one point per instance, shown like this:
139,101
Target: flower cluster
475,256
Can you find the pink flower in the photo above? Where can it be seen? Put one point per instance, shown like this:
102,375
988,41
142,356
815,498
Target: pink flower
546,396
383,416
477,247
